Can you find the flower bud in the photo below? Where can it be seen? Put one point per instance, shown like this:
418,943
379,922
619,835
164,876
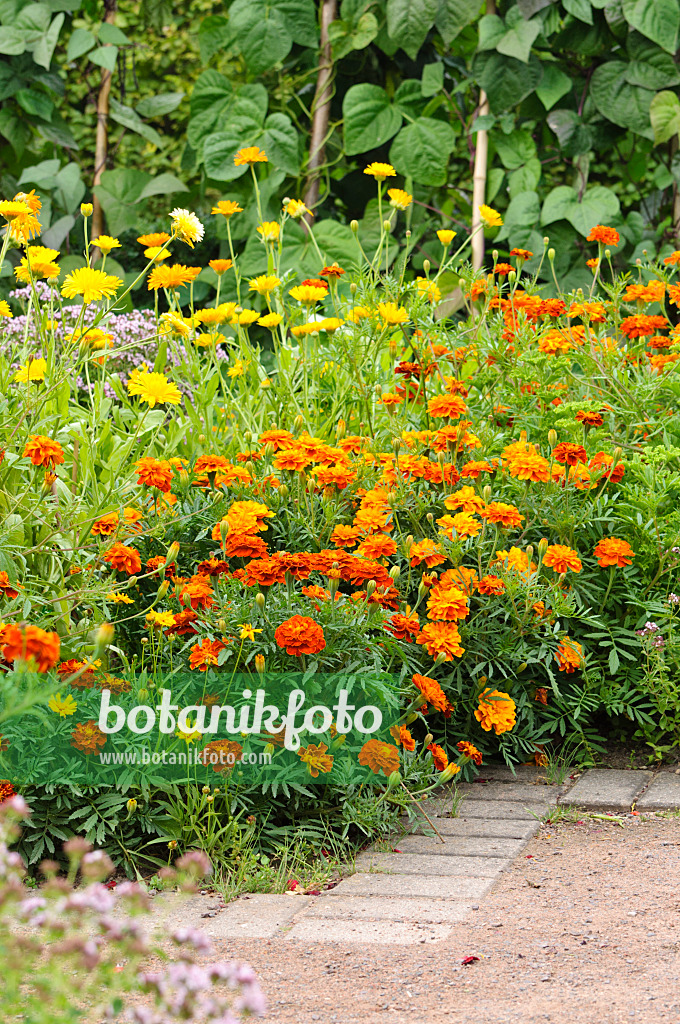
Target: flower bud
428,739
486,493
387,226
551,254
205,789
340,430
224,529
354,226
353,288
104,635
298,423
370,588
396,443
448,773
494,253
512,276
552,437
283,490
440,659
410,719
546,240
221,624
201,438
163,589
395,572
259,664
133,581
426,267
131,805
260,601
87,209
530,552
393,781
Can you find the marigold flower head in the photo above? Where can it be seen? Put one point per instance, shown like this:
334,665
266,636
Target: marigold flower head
300,635
308,294
448,406
426,551
123,558
399,199
605,235
205,655
529,466
611,551
570,454
490,217
43,451
227,208
501,514
391,313
186,226
334,271
491,585
439,757
447,603
153,388
175,276
296,209
250,155
569,656
269,231
380,171
34,370
264,284
642,325
106,243
91,284
154,240
560,557
154,473
220,266
469,750
496,711
441,638
88,737
31,644
445,236
589,419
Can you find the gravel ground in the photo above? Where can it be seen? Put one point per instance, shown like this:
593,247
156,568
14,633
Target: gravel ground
583,929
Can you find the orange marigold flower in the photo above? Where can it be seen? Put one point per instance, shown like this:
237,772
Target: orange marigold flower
334,271
654,291
377,546
250,155
426,551
589,419
601,462
433,693
600,233
569,656
463,523
438,756
88,737
7,588
612,551
541,695
560,558
31,644
300,635
43,451
105,526
265,572
441,638
205,654
221,755
461,577
529,466
470,751
450,406
570,454
316,759
500,513
123,559
154,473
379,757
345,536
642,326
401,736
496,711
521,254
448,604
403,627
474,468
197,592
491,585
466,499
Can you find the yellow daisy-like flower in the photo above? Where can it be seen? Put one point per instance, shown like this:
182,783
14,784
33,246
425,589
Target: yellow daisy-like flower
35,370
10,208
62,706
247,631
220,266
211,338
91,284
157,253
264,284
391,313
380,171
270,320
217,314
38,261
106,243
153,388
176,324
308,294
445,236
296,209
160,619
428,288
358,313
399,199
269,231
227,207
244,317
5,310
21,212
186,226
118,598
329,324
490,217
190,735
237,370
250,155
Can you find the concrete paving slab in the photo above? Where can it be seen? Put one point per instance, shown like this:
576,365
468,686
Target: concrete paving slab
522,810
606,789
503,773
399,933
417,864
462,887
663,794
516,791
260,916
470,828
385,908
458,846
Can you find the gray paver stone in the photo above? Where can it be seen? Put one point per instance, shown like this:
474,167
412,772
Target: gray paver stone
663,794
260,916
463,887
417,864
456,846
503,773
471,828
495,809
602,789
400,933
516,791
385,908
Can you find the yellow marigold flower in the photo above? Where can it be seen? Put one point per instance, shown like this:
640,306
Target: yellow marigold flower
62,706
296,209
38,261
308,294
186,226
210,338
269,231
153,388
329,324
217,314
490,217
244,317
21,214
91,284
399,199
33,370
9,209
247,631
5,310
190,735
428,288
106,243
358,313
176,324
87,209
264,284
175,276
157,253
157,238
270,320
227,207
220,266
496,711
445,236
118,598
391,313
380,171
237,370
250,155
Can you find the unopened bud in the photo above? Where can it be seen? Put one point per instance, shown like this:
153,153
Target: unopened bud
131,805
283,490
428,739
104,635
448,773
133,581
163,589
393,781
221,624
395,572
172,553
87,209
440,659
551,254
486,493
353,288
552,437
354,226
259,664
298,423
512,276
201,438
426,266
260,601
494,253
546,240
542,546
224,529
370,588
387,226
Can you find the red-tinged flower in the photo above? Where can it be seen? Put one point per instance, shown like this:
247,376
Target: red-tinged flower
43,451
403,627
334,271
601,462
601,233
123,559
105,526
570,454
265,572
447,603
610,551
450,406
501,514
491,585
300,635
402,737
206,654
197,592
7,790
183,624
569,656
438,756
433,693
589,419
379,757
7,588
37,647
88,737
642,326
154,473
541,695
441,638
560,557
426,551
470,751
529,466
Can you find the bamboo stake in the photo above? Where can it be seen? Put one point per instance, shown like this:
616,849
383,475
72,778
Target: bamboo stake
321,107
479,173
102,139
